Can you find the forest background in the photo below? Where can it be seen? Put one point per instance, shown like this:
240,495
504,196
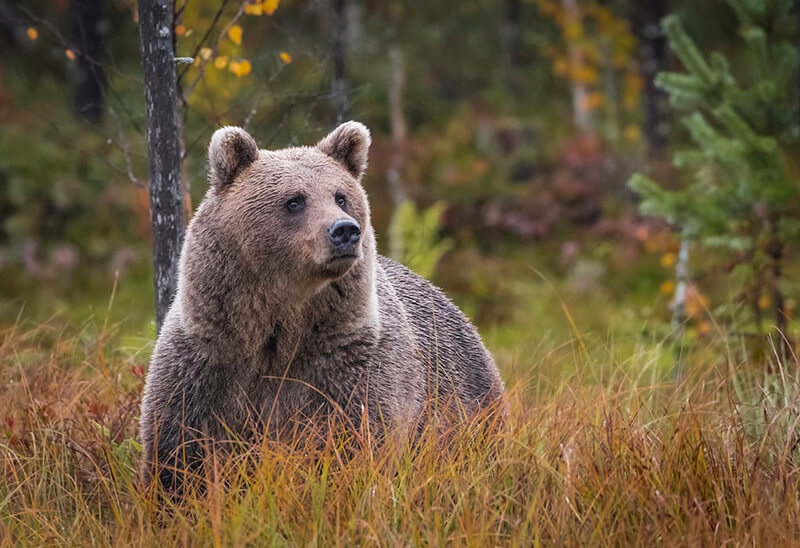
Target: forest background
610,231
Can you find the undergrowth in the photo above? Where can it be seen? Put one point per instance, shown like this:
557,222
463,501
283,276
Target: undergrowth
611,454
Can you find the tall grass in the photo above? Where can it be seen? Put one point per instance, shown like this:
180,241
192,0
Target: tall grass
610,454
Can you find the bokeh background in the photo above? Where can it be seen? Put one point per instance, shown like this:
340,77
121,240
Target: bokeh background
505,134
608,188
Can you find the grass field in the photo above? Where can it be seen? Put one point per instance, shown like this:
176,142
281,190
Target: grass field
601,448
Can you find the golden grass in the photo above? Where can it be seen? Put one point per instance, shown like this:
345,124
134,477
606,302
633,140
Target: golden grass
607,456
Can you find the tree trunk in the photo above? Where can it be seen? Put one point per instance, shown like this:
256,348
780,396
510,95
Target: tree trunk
163,148
394,175
11,28
581,114
512,44
338,49
679,307
91,79
647,18
775,253
610,83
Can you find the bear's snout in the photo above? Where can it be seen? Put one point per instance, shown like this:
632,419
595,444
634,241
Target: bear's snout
344,234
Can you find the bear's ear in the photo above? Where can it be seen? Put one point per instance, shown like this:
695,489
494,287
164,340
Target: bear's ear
348,144
231,150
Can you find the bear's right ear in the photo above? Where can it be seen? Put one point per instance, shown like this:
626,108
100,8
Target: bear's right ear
231,150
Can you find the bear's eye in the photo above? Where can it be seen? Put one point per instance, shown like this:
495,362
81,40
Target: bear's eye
296,204
341,201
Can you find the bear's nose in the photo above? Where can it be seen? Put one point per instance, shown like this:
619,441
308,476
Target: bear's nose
344,232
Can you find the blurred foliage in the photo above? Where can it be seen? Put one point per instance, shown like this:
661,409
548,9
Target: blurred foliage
597,52
523,120
415,236
522,189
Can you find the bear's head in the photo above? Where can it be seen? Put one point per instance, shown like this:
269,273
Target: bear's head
298,215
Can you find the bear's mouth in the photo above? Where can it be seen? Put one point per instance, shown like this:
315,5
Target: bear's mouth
343,253
338,264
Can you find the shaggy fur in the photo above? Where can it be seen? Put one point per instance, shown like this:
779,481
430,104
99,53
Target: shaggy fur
268,325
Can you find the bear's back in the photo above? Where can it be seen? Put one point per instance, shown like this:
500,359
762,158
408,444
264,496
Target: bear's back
449,343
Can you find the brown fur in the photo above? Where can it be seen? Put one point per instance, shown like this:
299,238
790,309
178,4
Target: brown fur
267,325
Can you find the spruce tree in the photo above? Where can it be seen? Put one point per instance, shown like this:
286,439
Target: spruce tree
741,198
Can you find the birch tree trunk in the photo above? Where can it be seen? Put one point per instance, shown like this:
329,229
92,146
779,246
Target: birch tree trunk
338,48
163,148
580,112
679,307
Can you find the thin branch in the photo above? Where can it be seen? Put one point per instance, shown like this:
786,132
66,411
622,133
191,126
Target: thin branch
206,36
69,44
125,147
202,68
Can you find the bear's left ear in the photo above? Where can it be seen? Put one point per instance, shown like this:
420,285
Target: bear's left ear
348,144
231,150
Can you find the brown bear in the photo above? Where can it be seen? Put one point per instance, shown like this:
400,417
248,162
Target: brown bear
284,309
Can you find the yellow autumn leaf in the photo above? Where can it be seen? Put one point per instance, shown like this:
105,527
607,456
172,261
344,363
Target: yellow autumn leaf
240,68
70,54
667,260
633,83
270,6
32,33
667,288
548,7
630,101
221,62
235,34
632,133
180,30
561,66
764,302
584,74
604,16
593,100
285,57
205,54
253,9
573,31
592,54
